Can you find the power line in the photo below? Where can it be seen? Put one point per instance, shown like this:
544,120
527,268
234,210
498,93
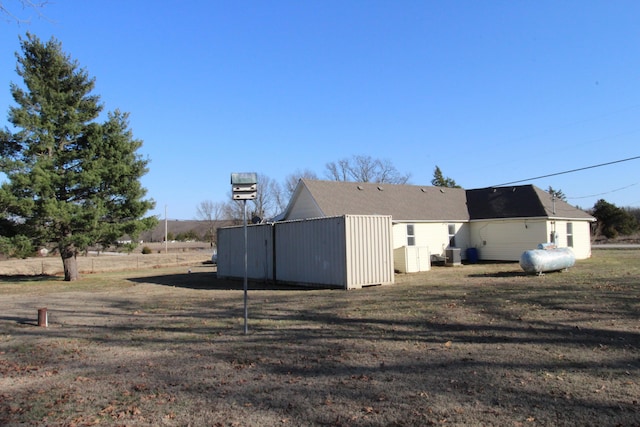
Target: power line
602,194
569,171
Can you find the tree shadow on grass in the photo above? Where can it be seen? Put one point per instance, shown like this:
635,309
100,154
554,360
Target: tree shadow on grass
25,278
21,320
501,274
210,281
515,273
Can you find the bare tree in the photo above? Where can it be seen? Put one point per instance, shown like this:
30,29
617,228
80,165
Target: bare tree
269,201
291,181
363,168
389,173
339,171
11,15
262,203
280,198
232,211
212,213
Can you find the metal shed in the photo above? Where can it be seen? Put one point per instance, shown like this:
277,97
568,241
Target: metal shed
348,252
259,255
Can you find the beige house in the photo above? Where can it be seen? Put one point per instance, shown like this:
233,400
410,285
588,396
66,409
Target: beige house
490,223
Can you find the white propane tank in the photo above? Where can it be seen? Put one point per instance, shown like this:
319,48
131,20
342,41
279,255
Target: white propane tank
543,260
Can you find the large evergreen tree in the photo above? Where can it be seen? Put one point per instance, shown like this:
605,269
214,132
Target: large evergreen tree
71,181
613,221
558,194
439,180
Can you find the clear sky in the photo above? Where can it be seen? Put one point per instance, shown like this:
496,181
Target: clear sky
491,91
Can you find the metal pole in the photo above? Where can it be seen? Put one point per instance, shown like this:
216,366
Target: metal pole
246,313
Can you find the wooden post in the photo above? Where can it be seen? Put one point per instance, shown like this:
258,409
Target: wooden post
43,317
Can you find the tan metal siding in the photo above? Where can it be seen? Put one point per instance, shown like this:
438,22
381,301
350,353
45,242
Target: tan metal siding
369,250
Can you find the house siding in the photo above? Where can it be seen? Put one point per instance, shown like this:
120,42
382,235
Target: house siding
581,236
433,235
462,238
581,239
304,207
506,240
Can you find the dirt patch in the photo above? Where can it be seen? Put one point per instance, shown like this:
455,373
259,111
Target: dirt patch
473,345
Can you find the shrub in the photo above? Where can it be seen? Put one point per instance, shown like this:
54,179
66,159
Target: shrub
146,250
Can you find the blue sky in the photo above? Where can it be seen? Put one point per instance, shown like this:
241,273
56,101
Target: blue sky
491,91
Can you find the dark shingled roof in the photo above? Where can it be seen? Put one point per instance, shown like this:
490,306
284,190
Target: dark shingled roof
522,201
427,203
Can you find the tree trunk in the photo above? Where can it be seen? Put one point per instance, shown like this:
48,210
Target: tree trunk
70,263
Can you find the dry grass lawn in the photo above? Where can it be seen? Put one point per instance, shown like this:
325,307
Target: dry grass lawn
474,345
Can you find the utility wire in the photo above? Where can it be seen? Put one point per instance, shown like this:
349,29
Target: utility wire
569,171
602,194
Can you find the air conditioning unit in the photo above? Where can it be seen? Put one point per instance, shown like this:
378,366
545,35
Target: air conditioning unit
453,257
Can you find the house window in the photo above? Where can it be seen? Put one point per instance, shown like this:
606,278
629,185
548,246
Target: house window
411,237
452,235
570,234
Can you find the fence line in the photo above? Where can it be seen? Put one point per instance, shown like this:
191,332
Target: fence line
103,263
